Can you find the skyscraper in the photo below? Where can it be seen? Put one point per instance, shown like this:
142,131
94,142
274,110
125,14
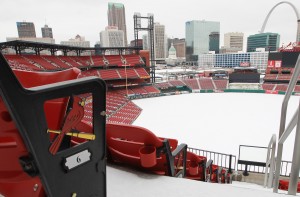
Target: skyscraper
268,41
26,30
234,41
47,32
112,37
214,42
159,41
116,17
197,37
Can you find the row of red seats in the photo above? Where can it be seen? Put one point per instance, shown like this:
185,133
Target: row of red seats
278,77
127,114
196,84
120,73
140,148
139,90
279,70
121,60
46,62
192,83
284,185
278,87
16,60
206,83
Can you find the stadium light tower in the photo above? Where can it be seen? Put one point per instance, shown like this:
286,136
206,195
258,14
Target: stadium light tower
150,28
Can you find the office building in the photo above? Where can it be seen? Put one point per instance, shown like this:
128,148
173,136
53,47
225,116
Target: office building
214,42
197,37
47,32
258,60
116,17
268,41
78,41
112,37
160,42
234,41
26,30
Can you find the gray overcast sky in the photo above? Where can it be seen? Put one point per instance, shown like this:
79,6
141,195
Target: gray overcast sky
87,18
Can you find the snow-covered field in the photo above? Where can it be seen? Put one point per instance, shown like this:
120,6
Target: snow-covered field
217,122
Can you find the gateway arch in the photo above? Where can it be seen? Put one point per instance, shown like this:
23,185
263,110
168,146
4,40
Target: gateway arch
297,15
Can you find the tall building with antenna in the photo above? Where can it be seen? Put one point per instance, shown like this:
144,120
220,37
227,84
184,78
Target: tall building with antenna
47,32
116,17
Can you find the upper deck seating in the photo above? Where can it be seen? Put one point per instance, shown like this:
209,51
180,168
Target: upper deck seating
133,59
114,60
91,72
19,62
69,61
42,62
127,73
109,74
98,60
142,73
57,61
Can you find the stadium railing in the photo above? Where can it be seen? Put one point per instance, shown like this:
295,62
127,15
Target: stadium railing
221,159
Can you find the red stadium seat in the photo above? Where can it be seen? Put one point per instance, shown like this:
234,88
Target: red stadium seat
13,180
284,185
140,148
196,167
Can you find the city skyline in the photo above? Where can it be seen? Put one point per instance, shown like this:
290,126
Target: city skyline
69,18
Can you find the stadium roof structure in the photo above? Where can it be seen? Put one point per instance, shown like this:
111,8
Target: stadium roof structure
19,46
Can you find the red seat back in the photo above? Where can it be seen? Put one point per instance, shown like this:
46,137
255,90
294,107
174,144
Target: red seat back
125,142
30,79
11,143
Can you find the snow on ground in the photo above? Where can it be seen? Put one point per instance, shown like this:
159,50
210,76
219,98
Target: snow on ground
123,181
217,122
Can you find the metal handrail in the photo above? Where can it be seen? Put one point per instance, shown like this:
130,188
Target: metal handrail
284,133
270,161
289,128
221,159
